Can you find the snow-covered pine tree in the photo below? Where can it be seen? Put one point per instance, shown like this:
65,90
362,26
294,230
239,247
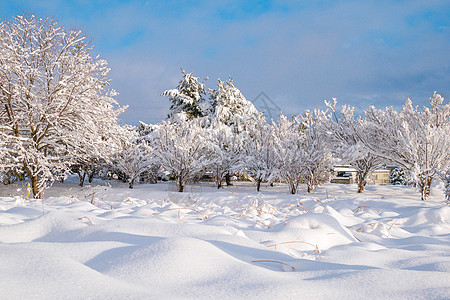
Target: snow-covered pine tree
347,137
53,96
188,97
398,177
231,108
232,115
417,141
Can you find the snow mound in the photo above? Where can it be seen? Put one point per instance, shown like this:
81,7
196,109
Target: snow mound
48,227
120,244
185,261
306,233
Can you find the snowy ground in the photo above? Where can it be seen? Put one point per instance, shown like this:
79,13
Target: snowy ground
151,242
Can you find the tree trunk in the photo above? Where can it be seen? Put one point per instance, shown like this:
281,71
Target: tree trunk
361,178
91,176
309,187
271,184
180,186
258,184
34,181
293,189
131,183
218,179
425,187
361,185
228,179
82,176
35,187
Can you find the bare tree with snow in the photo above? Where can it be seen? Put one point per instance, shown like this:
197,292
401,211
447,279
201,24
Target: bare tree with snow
182,148
134,159
226,149
418,141
445,177
347,137
288,147
260,160
53,96
316,155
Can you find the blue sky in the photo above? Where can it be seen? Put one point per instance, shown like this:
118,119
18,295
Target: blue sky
298,52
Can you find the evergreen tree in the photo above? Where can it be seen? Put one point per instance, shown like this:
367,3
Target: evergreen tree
188,97
232,116
231,108
398,177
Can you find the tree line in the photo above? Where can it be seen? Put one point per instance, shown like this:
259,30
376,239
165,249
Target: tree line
58,115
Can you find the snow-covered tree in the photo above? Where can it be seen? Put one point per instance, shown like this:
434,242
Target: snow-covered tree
10,169
260,161
288,147
226,148
188,97
418,141
232,115
446,179
147,134
182,148
134,159
106,139
53,96
398,177
231,108
347,137
316,155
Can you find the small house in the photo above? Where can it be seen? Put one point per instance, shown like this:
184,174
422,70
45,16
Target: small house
346,174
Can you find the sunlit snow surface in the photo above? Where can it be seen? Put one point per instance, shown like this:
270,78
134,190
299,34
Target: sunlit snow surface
151,242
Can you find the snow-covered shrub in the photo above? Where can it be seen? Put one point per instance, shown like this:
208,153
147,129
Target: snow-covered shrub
398,177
